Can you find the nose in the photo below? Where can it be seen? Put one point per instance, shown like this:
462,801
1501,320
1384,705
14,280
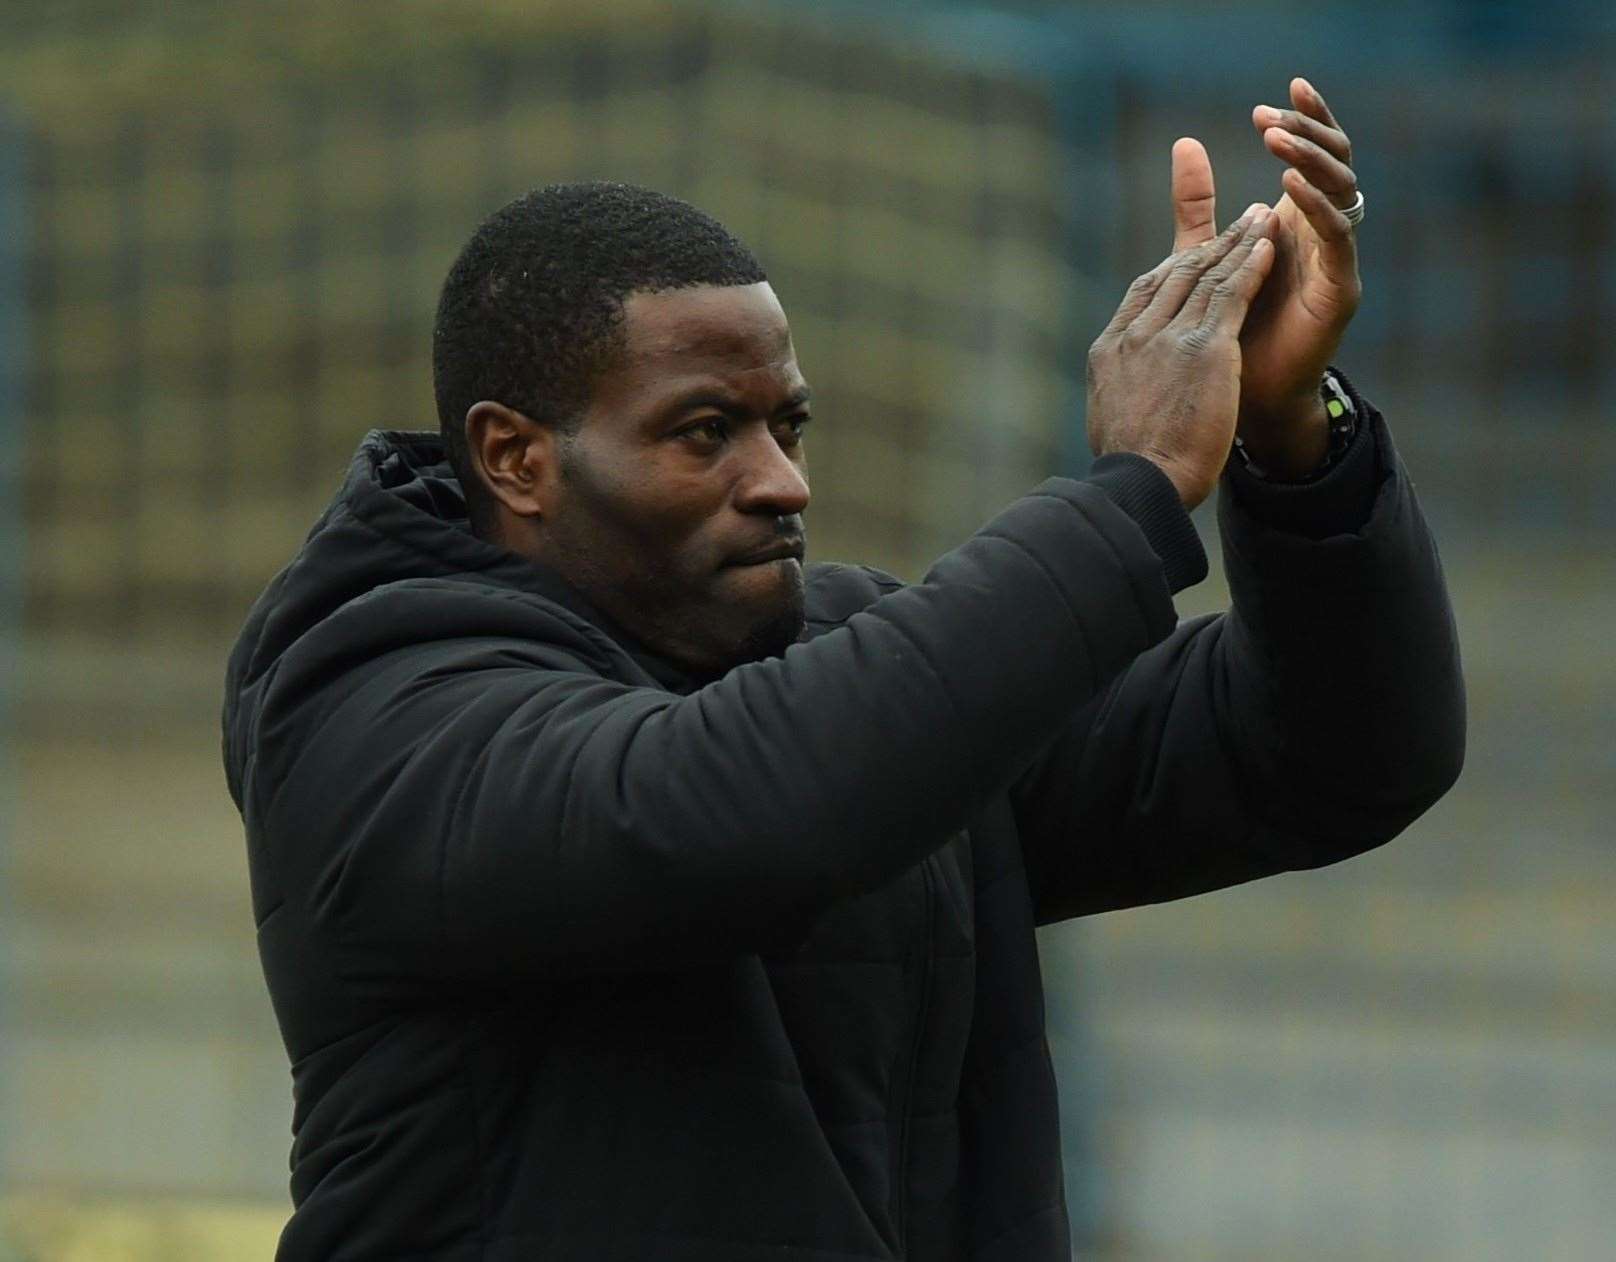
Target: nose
772,480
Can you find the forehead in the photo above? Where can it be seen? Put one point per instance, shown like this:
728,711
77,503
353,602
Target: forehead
719,328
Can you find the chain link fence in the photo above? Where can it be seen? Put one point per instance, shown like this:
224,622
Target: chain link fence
226,298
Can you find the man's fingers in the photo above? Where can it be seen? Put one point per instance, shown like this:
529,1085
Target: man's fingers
1232,297
1305,97
1185,271
1212,281
1194,195
1145,286
1138,297
1331,139
1321,169
1338,249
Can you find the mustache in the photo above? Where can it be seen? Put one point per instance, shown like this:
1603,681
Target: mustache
789,538
786,530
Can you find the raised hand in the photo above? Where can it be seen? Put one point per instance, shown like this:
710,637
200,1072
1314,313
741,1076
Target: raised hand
1164,377
1295,327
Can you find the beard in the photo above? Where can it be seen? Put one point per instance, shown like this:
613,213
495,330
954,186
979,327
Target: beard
775,634
710,634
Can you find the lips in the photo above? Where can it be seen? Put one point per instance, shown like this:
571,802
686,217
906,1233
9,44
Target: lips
779,550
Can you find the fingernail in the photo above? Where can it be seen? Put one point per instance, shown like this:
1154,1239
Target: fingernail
1252,210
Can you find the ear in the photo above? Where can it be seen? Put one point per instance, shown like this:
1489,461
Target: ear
515,456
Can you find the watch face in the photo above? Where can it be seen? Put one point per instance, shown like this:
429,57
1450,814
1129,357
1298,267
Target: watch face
1337,402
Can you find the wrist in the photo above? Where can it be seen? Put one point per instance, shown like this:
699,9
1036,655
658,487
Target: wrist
1289,442
1142,489
1192,485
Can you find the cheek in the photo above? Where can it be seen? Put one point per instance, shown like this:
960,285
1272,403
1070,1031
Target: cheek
661,514
671,514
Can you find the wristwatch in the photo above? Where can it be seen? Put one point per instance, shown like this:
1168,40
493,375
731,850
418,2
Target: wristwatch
1343,419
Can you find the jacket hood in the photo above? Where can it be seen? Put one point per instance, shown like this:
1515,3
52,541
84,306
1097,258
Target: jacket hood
400,515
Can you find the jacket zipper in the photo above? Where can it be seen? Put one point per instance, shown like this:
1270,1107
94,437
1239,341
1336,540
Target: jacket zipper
901,1170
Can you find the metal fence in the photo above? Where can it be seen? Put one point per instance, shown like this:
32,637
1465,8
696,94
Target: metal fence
226,294
227,298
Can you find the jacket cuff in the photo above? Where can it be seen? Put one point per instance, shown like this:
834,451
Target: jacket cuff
1140,489
1339,503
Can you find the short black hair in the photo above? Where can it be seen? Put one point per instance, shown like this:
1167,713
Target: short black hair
532,309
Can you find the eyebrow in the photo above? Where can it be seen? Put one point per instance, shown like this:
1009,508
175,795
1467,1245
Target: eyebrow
724,402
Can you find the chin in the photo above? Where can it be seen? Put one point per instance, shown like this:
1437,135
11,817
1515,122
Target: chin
734,623
761,614
772,637
776,623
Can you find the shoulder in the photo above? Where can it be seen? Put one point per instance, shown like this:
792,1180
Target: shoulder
399,634
429,614
835,592
405,658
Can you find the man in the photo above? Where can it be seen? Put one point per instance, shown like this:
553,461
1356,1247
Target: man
629,889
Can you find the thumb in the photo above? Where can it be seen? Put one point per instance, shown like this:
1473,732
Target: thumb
1194,195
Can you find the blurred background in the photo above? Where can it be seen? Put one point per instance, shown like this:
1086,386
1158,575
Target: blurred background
222,229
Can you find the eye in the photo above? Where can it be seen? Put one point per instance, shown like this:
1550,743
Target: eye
708,435
790,430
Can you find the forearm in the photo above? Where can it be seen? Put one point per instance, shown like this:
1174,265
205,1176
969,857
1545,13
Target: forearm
794,782
1354,635
1311,722
510,812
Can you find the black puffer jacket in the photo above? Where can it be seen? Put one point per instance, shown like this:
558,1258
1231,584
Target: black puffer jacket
575,959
